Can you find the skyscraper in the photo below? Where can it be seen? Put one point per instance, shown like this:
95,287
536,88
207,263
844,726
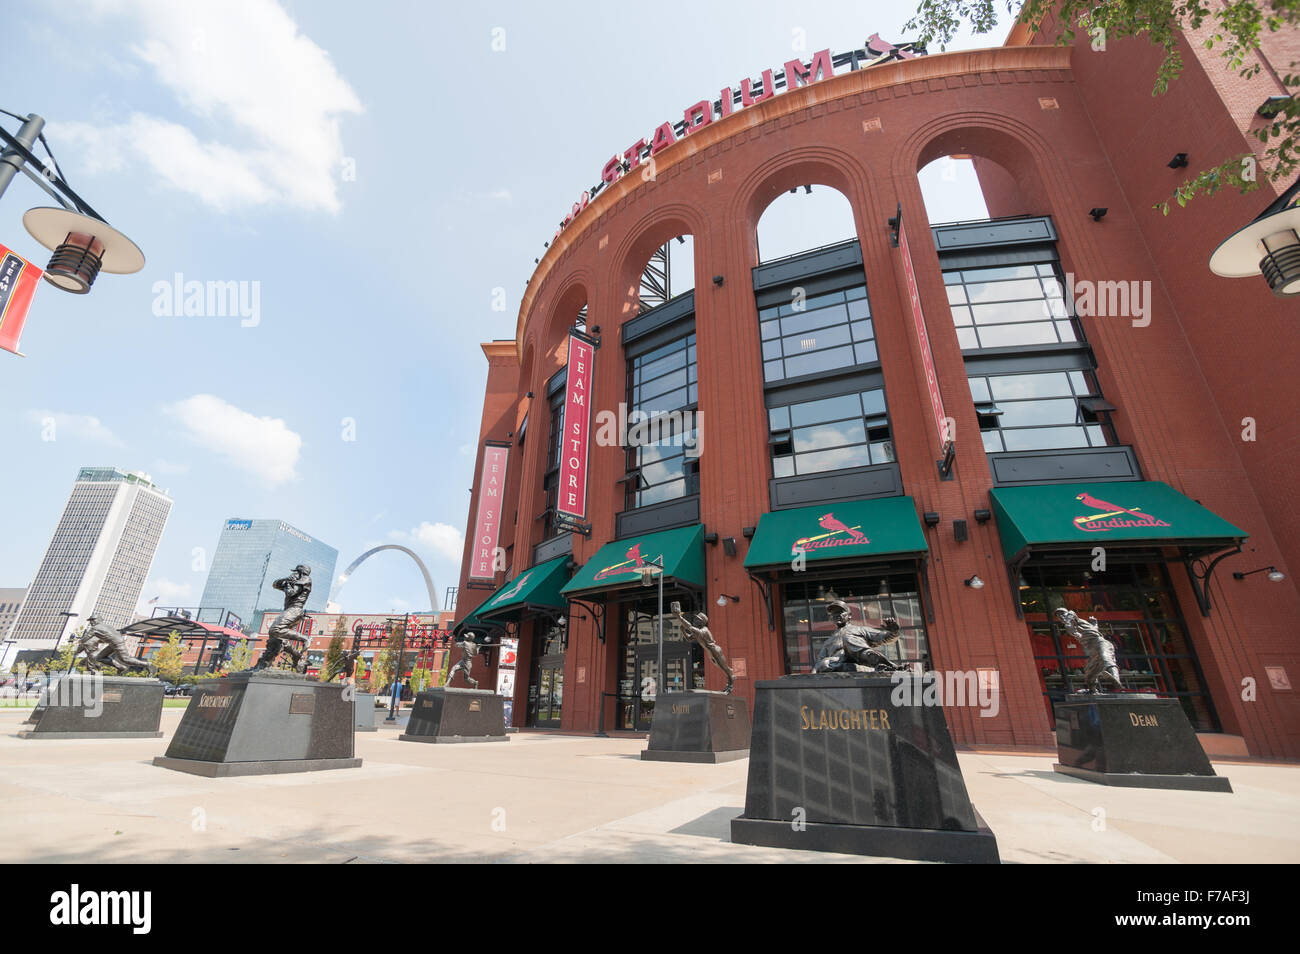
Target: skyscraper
97,559
252,554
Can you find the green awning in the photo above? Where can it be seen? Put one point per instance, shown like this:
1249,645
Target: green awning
858,530
1071,516
615,564
534,589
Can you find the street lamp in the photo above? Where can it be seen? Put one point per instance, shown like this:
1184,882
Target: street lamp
397,673
1268,246
649,571
82,242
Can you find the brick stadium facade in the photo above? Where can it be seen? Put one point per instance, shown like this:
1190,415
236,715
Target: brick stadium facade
1160,402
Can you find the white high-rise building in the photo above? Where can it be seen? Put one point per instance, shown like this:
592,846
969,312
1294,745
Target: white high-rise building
97,559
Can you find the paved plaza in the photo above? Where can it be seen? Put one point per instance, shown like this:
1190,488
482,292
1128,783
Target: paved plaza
561,798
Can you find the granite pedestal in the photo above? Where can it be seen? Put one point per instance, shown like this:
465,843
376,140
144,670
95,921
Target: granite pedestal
85,706
1136,740
263,723
456,715
365,712
698,727
836,764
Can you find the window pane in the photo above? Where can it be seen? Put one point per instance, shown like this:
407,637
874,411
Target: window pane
1009,311
818,361
966,339
873,401
1010,387
827,409
859,309
956,295
837,459
772,371
979,390
961,316
1006,335
778,418
814,340
770,329
829,435
863,331
998,274
1004,291
772,349
866,353
1033,413
992,441
882,452
782,466
1045,438
819,318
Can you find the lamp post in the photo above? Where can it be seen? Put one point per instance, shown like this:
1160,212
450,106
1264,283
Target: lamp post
651,570
1268,246
397,673
69,614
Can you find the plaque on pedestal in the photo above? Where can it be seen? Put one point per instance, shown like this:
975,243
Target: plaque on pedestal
263,722
364,703
837,764
91,706
456,715
698,727
1136,740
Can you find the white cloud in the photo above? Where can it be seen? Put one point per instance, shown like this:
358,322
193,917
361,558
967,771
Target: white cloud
61,424
263,446
241,67
170,468
441,539
168,593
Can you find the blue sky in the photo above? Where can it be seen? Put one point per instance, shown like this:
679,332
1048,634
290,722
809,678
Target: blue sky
373,175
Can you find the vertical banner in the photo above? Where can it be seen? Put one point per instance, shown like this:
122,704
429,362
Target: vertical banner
923,338
572,498
487,522
18,281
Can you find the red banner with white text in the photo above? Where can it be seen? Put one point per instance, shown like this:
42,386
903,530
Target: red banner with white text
572,500
923,339
487,522
18,281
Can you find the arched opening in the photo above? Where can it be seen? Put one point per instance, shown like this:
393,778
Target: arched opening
669,272
806,217
953,190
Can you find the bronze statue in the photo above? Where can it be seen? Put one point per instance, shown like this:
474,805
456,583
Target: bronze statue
282,636
699,631
468,645
1101,666
854,648
104,645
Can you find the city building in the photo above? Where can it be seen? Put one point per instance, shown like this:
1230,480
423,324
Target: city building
11,598
253,554
97,559
964,427
205,643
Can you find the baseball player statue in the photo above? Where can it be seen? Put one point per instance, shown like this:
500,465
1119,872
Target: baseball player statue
854,648
468,645
696,626
104,645
1101,667
282,636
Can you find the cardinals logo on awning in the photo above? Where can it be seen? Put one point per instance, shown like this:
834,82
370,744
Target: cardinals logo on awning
632,564
514,590
839,535
1109,516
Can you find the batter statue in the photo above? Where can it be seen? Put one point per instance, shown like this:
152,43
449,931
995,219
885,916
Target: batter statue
856,648
283,637
468,645
698,630
1102,666
104,645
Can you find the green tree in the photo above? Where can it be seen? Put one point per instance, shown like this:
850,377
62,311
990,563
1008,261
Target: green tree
241,656
381,671
1237,27
168,661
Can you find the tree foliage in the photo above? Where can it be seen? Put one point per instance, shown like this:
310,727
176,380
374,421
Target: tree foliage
1237,27
168,661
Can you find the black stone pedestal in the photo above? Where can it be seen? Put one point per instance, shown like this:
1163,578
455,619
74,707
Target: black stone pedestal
261,723
837,764
365,712
698,727
457,715
1135,740
83,706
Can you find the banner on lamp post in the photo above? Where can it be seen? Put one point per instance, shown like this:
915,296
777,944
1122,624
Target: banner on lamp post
18,281
487,522
571,502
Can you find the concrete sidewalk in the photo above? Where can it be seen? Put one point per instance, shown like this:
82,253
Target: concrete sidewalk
550,798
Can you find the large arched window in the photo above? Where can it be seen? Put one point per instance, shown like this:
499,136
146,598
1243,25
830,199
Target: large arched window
807,217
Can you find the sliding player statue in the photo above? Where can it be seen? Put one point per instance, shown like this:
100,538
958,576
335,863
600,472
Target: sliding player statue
104,645
699,631
468,645
1101,667
854,648
282,637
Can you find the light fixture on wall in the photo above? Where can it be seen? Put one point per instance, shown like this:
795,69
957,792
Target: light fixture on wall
1098,213
1179,161
729,546
975,583
724,598
1274,574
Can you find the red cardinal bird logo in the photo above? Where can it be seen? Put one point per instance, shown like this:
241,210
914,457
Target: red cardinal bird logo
1107,515
633,561
836,527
